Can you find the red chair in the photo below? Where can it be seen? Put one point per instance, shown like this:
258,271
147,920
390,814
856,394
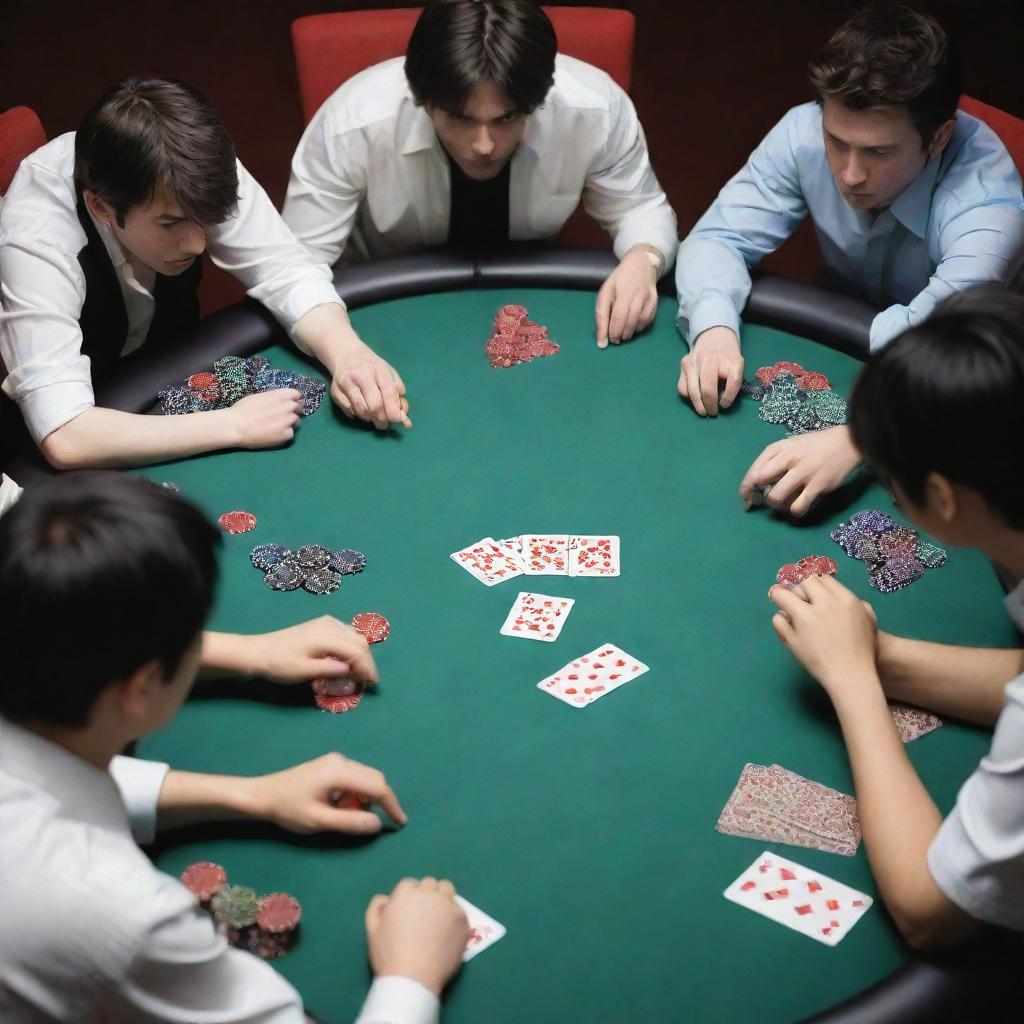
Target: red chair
1009,128
330,48
21,133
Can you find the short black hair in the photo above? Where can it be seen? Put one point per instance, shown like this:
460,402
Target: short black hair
458,44
892,57
100,573
148,130
946,397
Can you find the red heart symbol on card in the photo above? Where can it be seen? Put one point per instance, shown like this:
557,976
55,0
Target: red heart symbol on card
747,886
832,904
616,675
574,676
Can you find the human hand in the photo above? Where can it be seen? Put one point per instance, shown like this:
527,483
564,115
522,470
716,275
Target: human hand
417,932
365,386
266,419
321,648
311,797
714,357
801,469
628,299
831,632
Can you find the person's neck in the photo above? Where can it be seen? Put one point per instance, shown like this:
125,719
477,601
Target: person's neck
1006,548
89,744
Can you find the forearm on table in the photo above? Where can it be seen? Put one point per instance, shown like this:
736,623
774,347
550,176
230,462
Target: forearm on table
109,439
962,682
190,797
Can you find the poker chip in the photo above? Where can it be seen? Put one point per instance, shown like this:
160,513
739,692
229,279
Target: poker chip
895,554
348,801
320,581
931,556
516,339
811,380
347,561
313,556
338,705
278,912
235,906
334,686
168,486
270,947
284,576
204,879
237,522
373,626
266,556
800,400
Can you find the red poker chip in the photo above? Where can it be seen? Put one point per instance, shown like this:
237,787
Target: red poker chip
811,380
373,626
279,913
766,375
793,369
205,879
338,705
817,565
237,522
790,575
336,686
203,382
348,801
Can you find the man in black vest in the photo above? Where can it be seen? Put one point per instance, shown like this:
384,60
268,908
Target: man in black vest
101,238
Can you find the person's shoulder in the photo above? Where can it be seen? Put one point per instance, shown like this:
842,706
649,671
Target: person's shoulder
375,94
580,85
976,160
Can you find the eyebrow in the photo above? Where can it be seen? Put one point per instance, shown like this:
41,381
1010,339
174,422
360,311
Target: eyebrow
880,145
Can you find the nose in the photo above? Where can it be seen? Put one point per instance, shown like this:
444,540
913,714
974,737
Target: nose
193,241
483,144
853,172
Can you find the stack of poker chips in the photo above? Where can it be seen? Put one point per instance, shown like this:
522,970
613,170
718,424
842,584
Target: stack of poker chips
233,379
517,339
792,574
798,399
895,555
318,570
264,925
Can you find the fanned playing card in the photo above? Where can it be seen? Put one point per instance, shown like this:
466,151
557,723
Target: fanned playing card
511,545
912,722
593,675
545,554
594,556
488,561
484,931
537,616
806,901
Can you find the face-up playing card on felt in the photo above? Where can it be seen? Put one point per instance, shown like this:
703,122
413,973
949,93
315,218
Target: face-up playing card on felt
806,901
912,723
488,561
591,676
484,931
511,546
537,616
545,554
594,556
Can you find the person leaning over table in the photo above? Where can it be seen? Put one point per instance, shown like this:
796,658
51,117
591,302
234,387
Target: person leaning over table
938,415
484,135
911,199
124,572
101,237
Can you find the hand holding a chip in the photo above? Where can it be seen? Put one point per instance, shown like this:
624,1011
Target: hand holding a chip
628,299
714,361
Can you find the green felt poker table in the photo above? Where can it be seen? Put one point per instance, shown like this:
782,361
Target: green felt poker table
589,833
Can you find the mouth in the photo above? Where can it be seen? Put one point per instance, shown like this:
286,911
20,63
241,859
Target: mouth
182,263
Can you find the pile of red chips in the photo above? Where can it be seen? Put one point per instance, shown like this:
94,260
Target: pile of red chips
237,522
266,926
806,380
517,339
341,695
792,574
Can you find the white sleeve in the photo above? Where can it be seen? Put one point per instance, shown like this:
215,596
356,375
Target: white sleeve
139,783
397,1000
257,247
10,492
622,193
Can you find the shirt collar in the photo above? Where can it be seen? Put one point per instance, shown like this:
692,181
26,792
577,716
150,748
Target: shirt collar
1014,602
912,207
82,791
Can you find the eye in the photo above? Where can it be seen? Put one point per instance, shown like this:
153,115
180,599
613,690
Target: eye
462,118
509,118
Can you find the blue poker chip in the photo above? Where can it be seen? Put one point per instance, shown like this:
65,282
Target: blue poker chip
266,556
313,556
321,581
347,561
284,576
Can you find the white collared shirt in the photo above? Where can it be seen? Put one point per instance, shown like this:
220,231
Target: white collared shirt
977,857
42,287
91,931
370,177
10,492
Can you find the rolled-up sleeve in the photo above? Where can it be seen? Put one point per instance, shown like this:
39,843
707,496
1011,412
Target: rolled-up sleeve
622,192
756,211
139,783
397,1000
977,857
260,250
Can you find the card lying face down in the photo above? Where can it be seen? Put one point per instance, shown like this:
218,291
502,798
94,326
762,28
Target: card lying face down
803,900
593,675
484,931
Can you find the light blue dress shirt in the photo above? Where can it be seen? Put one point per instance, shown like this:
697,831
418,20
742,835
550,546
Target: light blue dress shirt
960,222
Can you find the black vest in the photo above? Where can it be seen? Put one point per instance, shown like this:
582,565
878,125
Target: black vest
104,321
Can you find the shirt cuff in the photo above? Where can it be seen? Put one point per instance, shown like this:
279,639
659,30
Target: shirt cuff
48,408
664,241
10,492
715,311
139,783
398,1000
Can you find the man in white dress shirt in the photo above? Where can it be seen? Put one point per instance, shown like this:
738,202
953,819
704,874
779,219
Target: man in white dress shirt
480,137
101,237
90,931
938,414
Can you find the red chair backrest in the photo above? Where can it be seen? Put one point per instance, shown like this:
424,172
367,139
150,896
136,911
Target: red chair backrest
330,48
1009,128
21,133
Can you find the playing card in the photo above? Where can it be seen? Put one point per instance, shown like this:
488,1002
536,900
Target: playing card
511,547
484,931
488,561
593,556
537,616
913,722
545,555
803,900
779,806
591,676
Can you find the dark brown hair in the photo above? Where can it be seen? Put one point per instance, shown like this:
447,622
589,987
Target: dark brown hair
147,130
888,57
457,44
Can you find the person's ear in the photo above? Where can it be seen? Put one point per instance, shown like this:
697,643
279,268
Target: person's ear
137,693
941,138
99,207
940,498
